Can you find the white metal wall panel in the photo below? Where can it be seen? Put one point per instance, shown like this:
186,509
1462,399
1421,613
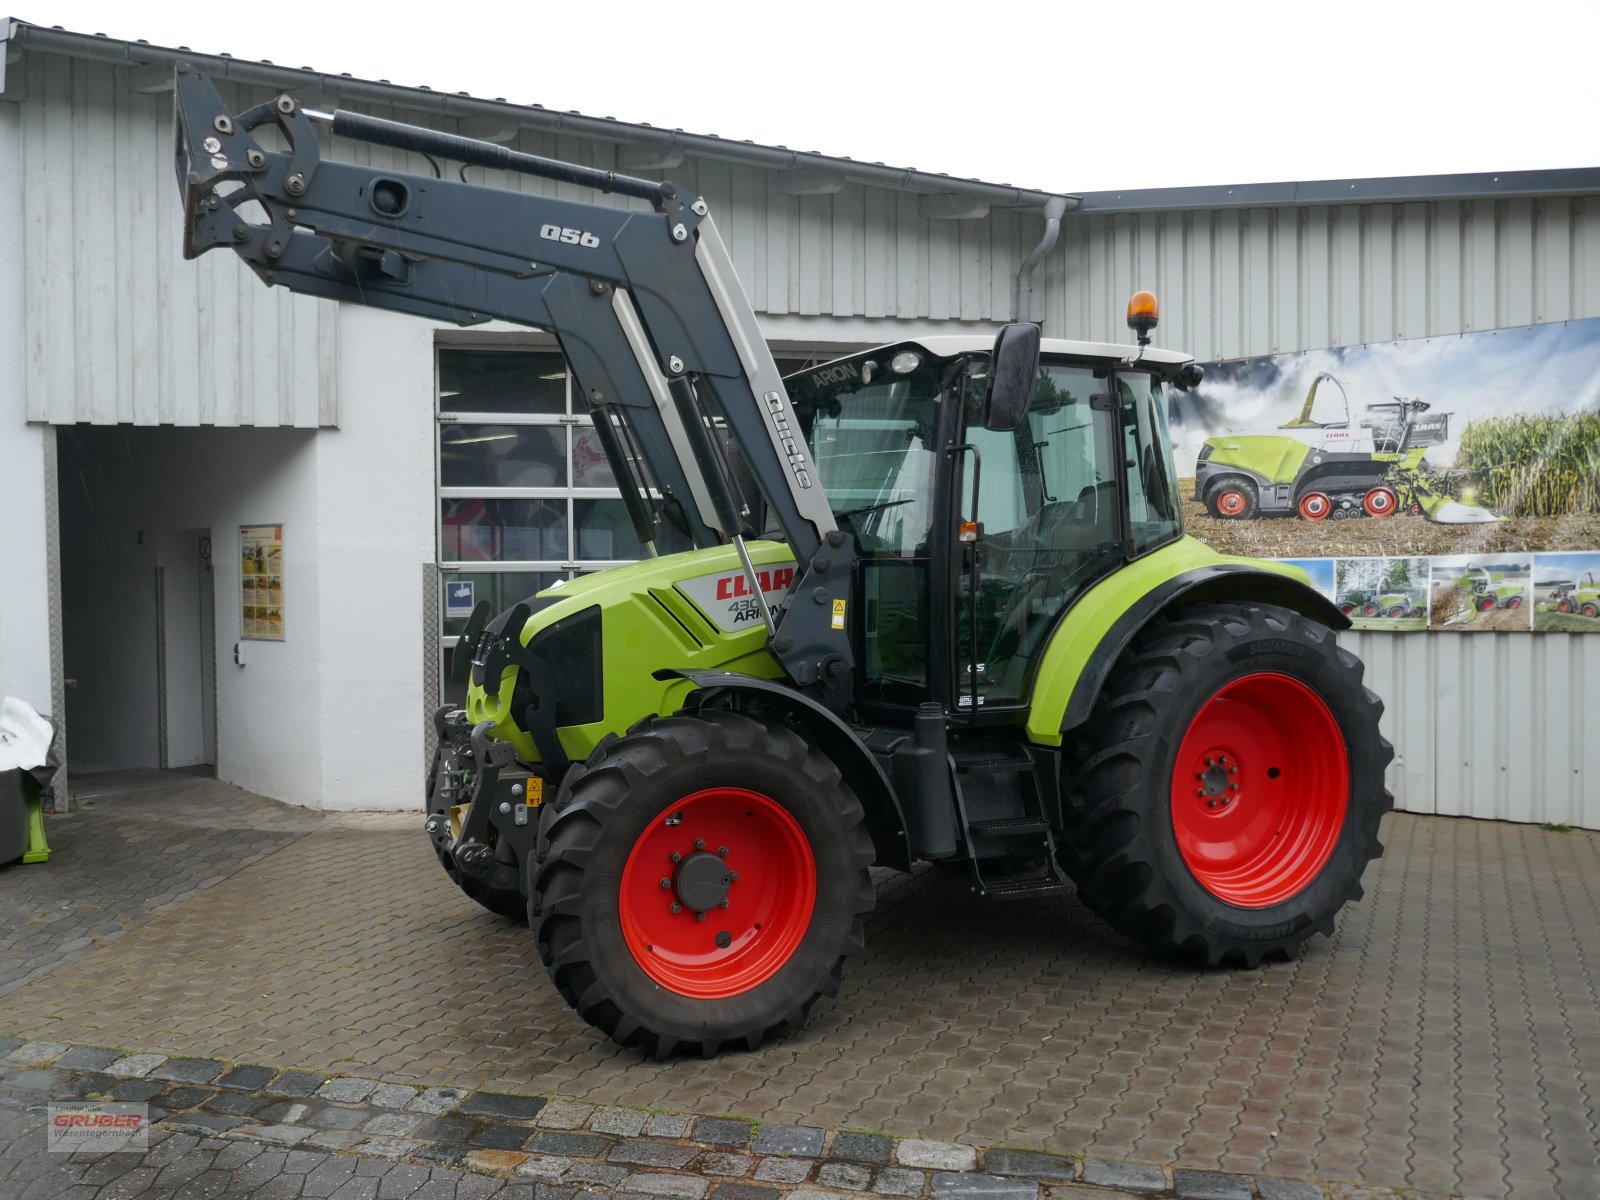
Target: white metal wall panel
119,328
1241,282
1498,726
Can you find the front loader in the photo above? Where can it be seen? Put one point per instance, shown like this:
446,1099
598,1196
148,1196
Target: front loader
941,609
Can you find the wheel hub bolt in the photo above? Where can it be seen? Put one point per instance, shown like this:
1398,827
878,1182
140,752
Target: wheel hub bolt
722,852
676,907
675,856
699,843
724,902
699,916
666,883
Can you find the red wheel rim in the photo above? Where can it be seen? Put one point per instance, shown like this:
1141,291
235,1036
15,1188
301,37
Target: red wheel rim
1347,609
1486,604
1397,611
1314,506
1231,503
1564,606
1514,602
1371,610
1590,610
1259,790
768,878
1380,502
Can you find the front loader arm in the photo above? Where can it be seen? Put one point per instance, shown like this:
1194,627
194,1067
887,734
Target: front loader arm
660,283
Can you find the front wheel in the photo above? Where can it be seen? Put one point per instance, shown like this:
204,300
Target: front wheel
700,882
1228,787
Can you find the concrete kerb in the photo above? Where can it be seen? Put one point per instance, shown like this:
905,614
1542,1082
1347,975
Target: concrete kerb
552,1139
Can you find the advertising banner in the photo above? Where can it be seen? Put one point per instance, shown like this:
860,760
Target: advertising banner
1441,483
261,582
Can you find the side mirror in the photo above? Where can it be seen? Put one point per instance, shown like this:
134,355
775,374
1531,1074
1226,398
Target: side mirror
1013,368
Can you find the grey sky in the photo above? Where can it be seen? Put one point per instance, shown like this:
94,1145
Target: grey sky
1065,96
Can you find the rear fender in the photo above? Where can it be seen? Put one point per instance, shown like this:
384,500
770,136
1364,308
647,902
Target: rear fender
885,821
1098,628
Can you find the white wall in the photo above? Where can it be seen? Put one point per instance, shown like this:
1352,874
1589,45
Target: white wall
25,609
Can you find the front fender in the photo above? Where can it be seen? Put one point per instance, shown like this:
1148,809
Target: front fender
1099,627
859,766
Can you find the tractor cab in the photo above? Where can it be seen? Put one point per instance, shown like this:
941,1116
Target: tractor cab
1012,500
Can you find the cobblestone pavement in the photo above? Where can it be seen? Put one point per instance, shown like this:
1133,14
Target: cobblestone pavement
1448,1039
217,1130
135,843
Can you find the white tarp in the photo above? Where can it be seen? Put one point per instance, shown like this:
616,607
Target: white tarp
24,735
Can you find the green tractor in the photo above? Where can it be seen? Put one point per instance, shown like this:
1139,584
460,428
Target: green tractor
1395,604
1372,466
1490,590
940,609
1581,596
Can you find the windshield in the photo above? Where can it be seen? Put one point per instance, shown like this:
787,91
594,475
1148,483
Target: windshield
871,430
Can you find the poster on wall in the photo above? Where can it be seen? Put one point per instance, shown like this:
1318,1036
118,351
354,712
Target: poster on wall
1437,484
261,582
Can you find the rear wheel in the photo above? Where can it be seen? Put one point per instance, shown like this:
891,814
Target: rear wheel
1228,787
1231,499
1370,610
1314,506
700,882
1514,602
1399,610
1590,610
1486,604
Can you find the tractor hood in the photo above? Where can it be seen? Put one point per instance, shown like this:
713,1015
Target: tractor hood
582,659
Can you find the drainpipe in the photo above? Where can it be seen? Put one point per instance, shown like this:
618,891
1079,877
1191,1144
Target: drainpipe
1022,294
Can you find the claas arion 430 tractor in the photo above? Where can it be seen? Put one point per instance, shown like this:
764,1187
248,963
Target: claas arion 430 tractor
939,607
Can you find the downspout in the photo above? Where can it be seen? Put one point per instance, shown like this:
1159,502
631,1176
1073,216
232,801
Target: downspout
1022,294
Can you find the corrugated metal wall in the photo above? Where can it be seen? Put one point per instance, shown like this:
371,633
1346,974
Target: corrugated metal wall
119,327
1235,283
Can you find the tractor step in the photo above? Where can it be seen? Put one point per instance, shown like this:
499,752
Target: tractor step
1009,826
1026,887
991,763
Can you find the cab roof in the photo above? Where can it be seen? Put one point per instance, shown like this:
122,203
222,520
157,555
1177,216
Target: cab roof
949,345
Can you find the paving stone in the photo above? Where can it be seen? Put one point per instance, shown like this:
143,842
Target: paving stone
548,1167
295,1083
188,1070
604,1174
335,1116
246,1078
401,1180
286,1112
393,1147
86,1058
774,1138
628,1122
500,1137
897,1181
335,1139
186,1097
742,1191
1138,1177
573,1145
1210,1185
852,1176
686,1187
136,1066
498,1161
234,1104
1286,1189
503,1107
564,1114
8,1044
287,1135
1005,1161
784,1170
874,1149
392,1095
936,1156
198,1122
720,1131
665,1125
393,1124
347,1090
37,1054
648,1153
719,1162
440,1154
137,1091
436,1100
969,1185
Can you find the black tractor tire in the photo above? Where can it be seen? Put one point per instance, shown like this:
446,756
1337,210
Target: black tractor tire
614,801
1121,846
1243,488
500,901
